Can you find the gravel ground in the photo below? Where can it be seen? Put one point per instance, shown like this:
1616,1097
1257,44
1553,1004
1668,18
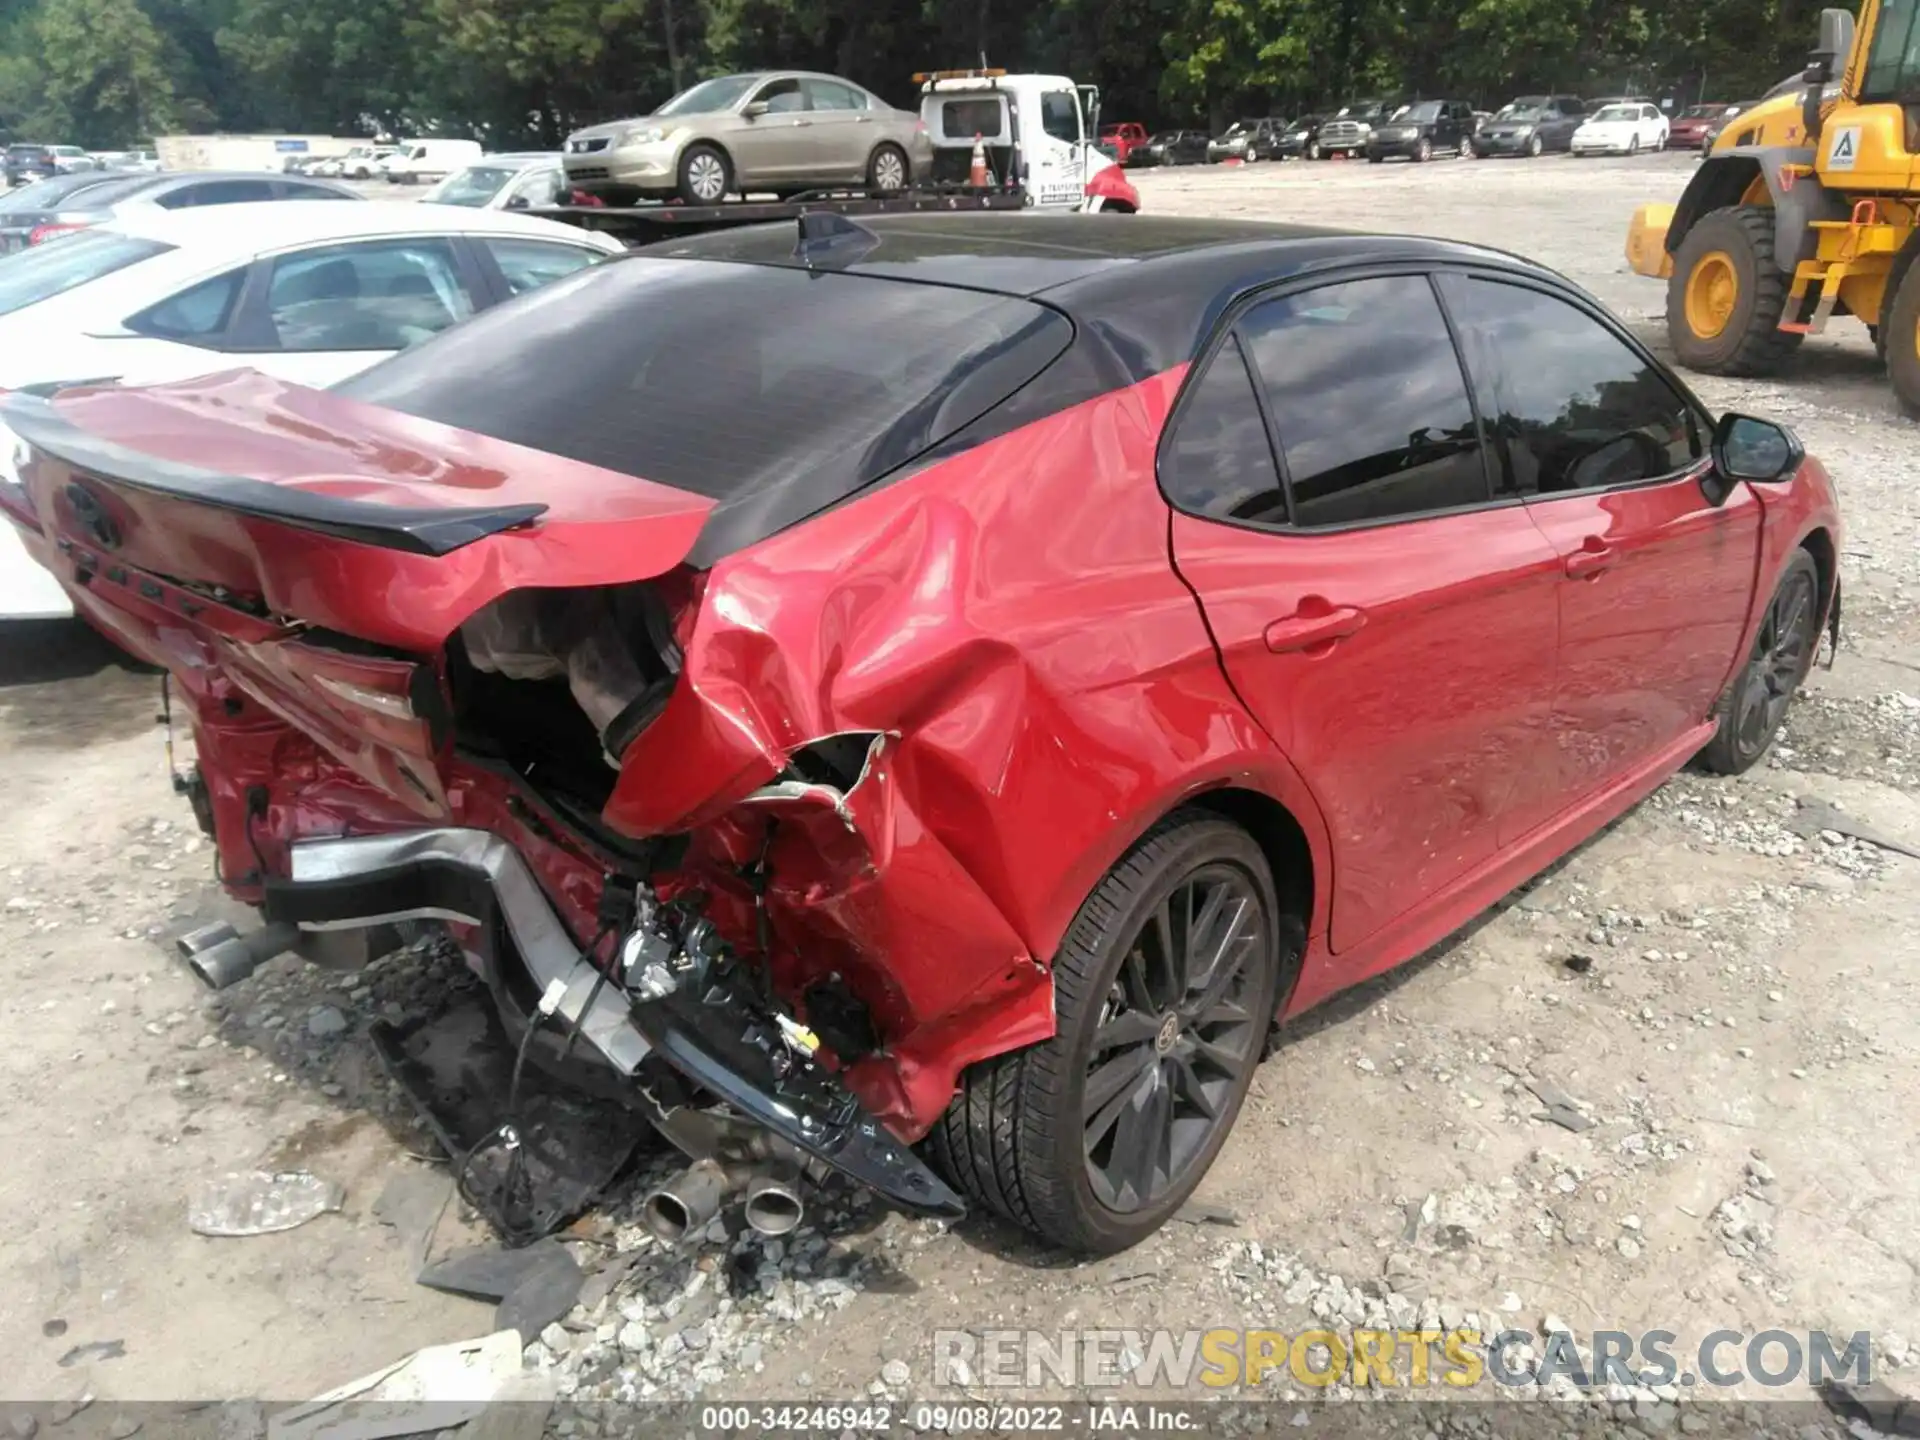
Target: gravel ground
1723,990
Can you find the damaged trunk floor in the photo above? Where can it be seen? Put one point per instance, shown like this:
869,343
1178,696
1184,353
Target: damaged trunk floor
527,1163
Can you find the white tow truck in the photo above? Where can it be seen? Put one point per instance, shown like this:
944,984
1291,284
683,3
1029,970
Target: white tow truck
1038,132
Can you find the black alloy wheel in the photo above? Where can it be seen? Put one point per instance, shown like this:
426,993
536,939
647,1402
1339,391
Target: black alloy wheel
1756,704
1175,1038
1165,990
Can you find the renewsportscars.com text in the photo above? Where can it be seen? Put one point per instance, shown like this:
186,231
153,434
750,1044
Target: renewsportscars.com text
1515,1359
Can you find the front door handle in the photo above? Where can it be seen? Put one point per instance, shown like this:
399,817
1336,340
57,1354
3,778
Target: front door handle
1593,556
1319,624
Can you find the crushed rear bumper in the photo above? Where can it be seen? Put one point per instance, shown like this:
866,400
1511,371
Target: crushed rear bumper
719,1038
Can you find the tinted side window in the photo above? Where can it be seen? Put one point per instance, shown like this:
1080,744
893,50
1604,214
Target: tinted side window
1369,402
195,313
216,192
384,295
1569,405
294,190
1219,462
529,264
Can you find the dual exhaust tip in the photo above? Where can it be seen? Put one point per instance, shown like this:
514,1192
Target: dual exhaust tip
221,956
688,1202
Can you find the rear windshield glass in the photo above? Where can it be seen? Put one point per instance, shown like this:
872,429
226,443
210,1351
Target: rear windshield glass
784,389
475,185
112,192
42,194
60,265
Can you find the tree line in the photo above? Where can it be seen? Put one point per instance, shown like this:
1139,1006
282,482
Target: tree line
521,73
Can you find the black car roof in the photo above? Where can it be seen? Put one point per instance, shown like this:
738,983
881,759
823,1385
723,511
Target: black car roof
1151,286
1060,256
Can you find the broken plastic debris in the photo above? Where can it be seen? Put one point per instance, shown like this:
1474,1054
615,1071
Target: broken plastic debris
93,1350
258,1203
1816,815
432,1389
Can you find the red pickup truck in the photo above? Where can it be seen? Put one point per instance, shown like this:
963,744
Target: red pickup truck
1123,139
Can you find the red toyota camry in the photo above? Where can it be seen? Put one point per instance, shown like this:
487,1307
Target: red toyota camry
923,698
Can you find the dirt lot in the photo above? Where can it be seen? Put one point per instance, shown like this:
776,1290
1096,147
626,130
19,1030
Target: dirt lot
1732,1000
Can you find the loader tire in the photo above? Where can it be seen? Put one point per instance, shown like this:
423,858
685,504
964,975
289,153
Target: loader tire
1900,337
1727,294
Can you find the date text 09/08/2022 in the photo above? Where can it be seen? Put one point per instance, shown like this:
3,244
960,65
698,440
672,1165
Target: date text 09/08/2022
963,1418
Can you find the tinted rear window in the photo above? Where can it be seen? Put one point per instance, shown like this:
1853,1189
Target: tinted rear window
67,263
42,194
110,192
785,387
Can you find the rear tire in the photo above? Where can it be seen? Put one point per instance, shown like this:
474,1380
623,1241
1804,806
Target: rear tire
1755,705
1748,340
1899,341
705,175
1132,993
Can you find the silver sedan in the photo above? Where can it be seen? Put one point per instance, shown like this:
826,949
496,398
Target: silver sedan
783,131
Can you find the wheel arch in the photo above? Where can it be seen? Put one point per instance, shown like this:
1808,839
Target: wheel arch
1739,177
1280,836
1818,542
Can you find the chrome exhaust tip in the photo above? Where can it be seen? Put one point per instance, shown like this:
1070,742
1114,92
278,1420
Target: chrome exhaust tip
221,956
686,1203
773,1206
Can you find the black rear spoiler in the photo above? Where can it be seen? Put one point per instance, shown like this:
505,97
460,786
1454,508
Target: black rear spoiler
415,529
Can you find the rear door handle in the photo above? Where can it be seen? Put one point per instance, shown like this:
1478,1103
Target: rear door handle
1318,626
1590,559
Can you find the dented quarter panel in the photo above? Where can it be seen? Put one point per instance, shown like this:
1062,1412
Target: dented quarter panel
1009,613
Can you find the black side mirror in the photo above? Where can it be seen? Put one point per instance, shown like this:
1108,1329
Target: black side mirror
519,202
1745,448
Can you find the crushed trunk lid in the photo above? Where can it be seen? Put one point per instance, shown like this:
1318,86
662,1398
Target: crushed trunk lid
317,549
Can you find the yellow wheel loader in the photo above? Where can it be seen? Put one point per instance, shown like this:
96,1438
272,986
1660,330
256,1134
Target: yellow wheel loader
1808,206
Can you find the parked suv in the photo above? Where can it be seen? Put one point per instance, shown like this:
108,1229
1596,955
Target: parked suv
1530,125
1247,140
1423,130
1302,138
27,163
1352,126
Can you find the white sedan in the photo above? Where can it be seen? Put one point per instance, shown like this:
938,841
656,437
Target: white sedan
307,293
1621,129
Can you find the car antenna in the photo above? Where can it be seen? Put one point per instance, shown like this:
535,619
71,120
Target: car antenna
826,235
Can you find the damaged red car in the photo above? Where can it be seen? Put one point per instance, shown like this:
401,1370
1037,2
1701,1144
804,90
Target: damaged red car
924,698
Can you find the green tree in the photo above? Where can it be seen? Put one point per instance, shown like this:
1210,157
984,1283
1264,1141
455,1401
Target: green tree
97,73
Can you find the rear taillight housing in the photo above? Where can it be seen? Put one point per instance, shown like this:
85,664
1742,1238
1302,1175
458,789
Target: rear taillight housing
40,234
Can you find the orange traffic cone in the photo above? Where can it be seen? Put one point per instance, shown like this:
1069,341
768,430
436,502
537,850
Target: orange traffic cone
978,178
